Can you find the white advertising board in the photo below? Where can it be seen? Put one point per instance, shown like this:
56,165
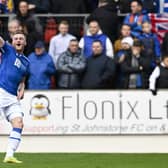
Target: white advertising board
92,113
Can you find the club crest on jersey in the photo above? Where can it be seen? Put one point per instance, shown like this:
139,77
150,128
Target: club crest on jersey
17,63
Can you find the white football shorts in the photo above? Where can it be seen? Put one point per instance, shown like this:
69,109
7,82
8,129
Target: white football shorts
9,105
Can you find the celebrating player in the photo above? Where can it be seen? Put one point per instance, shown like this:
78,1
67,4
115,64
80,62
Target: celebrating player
13,69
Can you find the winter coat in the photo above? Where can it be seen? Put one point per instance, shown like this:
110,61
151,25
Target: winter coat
127,69
70,68
99,72
40,71
151,44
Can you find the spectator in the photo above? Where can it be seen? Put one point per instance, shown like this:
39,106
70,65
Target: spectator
135,68
26,17
136,18
41,68
39,6
151,43
60,42
50,29
126,44
100,69
13,27
3,7
71,6
125,32
107,17
94,33
150,6
32,37
159,77
70,67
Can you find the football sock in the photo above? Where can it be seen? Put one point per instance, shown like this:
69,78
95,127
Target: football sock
13,141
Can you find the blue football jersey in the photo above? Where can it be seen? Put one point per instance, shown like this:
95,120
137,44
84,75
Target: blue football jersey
13,68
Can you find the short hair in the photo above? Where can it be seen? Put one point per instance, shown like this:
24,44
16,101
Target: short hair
124,24
146,21
19,32
139,2
12,21
24,1
74,40
93,20
97,41
64,22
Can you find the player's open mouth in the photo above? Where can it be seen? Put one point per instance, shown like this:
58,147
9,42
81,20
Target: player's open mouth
18,45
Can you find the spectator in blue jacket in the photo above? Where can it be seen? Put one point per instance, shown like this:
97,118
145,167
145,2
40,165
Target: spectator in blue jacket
151,43
41,68
136,17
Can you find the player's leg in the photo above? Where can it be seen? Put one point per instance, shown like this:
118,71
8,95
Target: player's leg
16,121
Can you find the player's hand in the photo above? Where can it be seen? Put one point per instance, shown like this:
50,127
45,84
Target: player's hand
20,94
20,91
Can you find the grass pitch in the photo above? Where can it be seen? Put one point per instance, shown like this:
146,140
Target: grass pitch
57,160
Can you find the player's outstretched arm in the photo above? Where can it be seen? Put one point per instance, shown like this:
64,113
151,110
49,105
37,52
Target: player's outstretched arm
1,42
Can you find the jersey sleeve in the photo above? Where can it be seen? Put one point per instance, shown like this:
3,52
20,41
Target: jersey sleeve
7,48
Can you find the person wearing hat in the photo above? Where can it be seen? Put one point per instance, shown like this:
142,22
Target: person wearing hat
41,68
126,44
135,68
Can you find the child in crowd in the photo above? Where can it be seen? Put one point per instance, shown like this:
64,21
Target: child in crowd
126,44
151,43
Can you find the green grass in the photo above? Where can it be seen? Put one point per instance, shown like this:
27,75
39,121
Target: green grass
57,160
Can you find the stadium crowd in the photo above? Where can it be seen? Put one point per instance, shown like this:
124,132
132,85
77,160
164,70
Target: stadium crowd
113,53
